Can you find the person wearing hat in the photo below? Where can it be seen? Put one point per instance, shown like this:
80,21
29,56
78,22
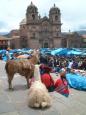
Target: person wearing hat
46,78
61,84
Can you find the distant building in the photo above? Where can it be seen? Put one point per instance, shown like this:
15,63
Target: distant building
15,42
4,42
84,41
72,40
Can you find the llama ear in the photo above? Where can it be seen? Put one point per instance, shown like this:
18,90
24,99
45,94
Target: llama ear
31,52
37,51
34,52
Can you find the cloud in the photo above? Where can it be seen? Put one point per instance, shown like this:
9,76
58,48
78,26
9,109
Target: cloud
3,24
82,27
72,12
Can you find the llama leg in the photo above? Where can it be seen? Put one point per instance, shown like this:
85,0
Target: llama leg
10,81
28,85
28,79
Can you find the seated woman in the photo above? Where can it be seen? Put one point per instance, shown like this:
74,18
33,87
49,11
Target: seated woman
61,84
76,80
46,78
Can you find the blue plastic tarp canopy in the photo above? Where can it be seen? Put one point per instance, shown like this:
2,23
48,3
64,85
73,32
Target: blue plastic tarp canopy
56,51
76,81
64,52
73,52
83,54
2,51
45,51
24,50
4,58
60,51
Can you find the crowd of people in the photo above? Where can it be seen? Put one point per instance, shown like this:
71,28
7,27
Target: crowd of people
57,62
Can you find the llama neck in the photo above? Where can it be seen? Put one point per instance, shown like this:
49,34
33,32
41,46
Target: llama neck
33,60
37,75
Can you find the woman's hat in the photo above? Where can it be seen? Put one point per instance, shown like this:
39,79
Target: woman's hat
62,72
46,68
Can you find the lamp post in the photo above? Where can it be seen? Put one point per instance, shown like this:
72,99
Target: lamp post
8,43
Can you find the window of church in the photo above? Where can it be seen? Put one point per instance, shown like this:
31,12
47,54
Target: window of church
24,42
33,27
33,16
23,27
33,36
3,42
56,17
46,45
13,45
45,23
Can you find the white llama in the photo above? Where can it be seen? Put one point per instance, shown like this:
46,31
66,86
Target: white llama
38,95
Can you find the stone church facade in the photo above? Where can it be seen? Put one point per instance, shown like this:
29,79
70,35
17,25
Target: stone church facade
43,32
37,32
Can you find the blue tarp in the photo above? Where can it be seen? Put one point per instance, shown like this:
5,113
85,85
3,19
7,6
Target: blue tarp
73,52
45,51
2,51
76,81
66,52
56,51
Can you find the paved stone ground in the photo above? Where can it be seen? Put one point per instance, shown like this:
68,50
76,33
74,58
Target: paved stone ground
15,102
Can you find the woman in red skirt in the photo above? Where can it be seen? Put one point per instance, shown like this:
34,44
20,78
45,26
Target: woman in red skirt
46,78
61,84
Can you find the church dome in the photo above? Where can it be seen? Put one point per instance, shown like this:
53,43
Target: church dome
45,18
23,22
54,10
32,8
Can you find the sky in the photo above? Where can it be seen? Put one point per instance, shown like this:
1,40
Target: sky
73,13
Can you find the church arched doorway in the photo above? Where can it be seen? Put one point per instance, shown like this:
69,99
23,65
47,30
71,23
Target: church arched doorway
46,45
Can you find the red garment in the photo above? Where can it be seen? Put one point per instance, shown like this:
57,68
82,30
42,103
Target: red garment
61,86
46,68
47,80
